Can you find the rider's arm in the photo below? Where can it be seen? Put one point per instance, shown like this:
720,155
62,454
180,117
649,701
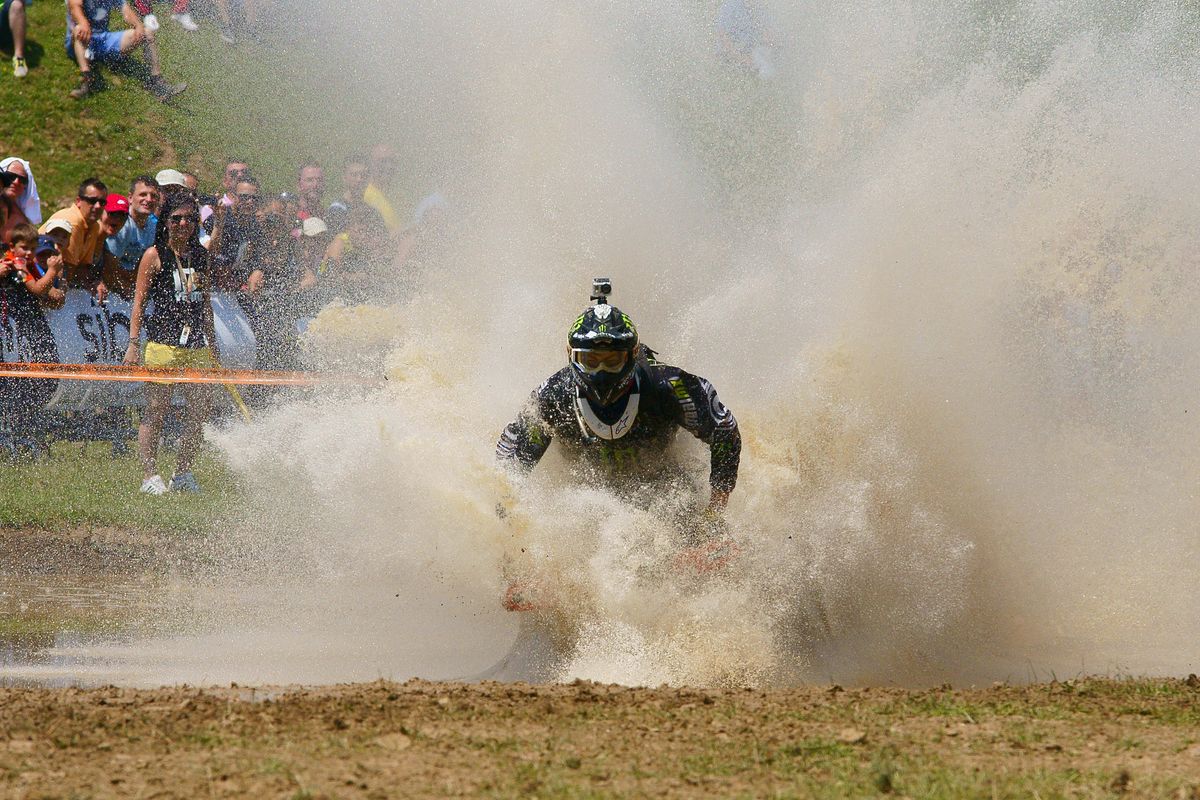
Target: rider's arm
704,416
525,439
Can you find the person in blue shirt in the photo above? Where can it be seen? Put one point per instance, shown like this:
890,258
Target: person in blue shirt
137,235
89,41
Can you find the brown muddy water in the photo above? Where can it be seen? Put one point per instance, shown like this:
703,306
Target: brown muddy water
86,608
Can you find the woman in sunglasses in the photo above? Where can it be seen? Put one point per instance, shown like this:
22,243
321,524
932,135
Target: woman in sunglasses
173,277
19,196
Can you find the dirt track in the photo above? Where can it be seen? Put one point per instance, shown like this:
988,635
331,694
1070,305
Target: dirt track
1092,739
1087,739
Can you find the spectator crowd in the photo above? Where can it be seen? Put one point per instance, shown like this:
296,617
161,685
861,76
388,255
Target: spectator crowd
164,245
283,255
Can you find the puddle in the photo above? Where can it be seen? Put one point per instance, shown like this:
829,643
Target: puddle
154,630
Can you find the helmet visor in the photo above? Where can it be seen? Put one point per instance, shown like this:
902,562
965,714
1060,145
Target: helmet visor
594,361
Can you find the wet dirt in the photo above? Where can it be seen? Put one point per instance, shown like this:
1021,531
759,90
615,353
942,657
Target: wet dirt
1091,738
422,739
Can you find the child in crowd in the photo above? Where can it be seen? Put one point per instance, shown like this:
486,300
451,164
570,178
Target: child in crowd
33,263
28,270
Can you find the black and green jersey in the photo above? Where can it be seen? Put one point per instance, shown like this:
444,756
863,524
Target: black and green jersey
631,439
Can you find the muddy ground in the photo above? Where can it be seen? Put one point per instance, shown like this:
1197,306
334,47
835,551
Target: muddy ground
423,739
1091,738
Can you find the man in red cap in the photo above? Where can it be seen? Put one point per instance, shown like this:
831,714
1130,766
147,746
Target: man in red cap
116,214
105,267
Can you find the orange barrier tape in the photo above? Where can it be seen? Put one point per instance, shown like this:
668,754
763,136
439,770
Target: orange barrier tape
121,372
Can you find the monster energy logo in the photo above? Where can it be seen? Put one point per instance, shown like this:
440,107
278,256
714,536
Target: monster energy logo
691,419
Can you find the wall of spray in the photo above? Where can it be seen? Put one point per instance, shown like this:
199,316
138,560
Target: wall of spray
939,266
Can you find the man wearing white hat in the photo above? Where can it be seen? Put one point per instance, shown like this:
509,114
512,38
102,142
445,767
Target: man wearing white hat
170,177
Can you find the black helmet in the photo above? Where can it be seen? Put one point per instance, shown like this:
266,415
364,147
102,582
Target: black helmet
603,344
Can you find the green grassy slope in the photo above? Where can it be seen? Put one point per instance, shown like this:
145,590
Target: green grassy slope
269,100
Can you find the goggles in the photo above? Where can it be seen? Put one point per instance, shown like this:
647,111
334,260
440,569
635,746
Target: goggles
593,361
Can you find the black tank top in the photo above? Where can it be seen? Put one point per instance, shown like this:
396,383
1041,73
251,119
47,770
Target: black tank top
175,305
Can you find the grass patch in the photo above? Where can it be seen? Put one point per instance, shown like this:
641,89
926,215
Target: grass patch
276,101
84,485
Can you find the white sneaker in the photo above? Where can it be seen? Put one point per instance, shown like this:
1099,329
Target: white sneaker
151,22
186,22
154,485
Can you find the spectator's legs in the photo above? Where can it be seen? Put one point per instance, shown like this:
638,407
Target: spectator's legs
158,400
225,21
131,39
80,51
197,399
16,24
181,14
158,87
87,79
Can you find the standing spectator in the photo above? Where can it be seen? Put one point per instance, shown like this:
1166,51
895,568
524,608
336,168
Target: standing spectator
116,214
173,278
235,170
354,183
277,284
12,34
355,259
238,240
310,186
20,195
180,12
89,41
314,241
137,235
170,183
381,170
191,181
104,263
84,217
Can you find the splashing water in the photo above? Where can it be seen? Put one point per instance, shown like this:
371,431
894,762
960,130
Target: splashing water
940,266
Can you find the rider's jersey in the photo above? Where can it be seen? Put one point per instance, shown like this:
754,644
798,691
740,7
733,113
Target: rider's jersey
632,438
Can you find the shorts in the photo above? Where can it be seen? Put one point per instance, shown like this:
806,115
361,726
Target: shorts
166,356
6,38
105,46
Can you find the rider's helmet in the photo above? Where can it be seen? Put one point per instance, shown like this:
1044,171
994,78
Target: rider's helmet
602,345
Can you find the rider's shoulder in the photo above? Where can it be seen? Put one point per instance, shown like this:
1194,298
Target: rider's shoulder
558,384
666,377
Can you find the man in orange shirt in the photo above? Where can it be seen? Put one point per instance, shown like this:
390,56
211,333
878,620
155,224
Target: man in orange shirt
86,239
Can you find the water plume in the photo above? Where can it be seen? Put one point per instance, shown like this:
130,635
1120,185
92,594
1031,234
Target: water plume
940,266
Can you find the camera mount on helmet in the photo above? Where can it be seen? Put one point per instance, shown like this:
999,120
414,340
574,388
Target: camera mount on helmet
601,289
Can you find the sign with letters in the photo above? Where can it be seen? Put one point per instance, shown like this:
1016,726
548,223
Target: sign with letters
86,332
